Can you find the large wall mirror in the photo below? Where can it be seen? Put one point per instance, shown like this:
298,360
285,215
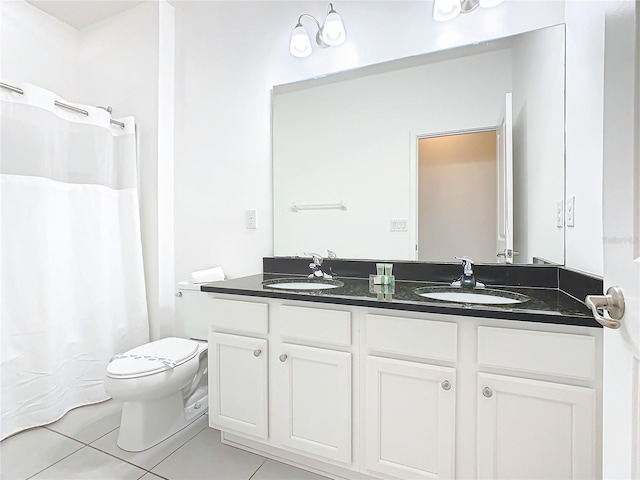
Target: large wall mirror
405,160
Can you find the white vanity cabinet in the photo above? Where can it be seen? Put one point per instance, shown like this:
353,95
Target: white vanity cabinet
356,392
531,429
238,367
410,403
238,376
528,428
311,381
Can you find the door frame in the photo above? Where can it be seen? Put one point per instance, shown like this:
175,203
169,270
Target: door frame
414,140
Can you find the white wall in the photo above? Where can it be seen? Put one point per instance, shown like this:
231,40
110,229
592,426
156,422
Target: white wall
584,132
36,48
538,144
457,201
230,54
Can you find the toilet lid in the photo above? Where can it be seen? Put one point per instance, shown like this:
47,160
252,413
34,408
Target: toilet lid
153,357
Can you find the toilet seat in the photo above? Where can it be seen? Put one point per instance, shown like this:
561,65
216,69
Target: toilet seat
152,358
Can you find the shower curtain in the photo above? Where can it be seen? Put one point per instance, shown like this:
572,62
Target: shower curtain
72,288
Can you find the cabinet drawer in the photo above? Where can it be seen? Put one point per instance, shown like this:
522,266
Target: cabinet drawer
251,317
562,354
314,324
409,336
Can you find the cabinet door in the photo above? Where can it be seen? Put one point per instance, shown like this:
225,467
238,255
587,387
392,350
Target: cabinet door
529,429
314,396
410,418
238,399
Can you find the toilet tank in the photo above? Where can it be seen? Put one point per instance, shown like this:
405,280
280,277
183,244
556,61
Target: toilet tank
194,311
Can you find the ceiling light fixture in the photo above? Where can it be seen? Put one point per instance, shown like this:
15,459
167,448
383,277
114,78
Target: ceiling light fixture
331,34
444,10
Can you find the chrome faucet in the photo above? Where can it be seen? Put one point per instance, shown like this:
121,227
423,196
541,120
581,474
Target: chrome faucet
467,279
316,263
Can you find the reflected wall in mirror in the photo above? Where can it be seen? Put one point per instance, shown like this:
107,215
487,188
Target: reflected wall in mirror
353,138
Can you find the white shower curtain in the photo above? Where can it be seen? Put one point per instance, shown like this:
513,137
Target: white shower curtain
72,288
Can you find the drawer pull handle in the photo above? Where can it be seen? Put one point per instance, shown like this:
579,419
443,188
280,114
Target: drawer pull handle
283,357
446,385
256,353
178,294
487,392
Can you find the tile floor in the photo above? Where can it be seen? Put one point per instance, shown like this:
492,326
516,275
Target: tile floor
82,445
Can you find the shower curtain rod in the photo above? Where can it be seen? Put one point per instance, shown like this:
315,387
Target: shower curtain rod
59,104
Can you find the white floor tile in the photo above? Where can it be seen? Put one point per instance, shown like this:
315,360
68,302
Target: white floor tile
154,455
28,452
90,464
204,457
89,423
272,470
150,476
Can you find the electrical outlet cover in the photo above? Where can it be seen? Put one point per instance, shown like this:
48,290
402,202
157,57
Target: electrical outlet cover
560,214
571,212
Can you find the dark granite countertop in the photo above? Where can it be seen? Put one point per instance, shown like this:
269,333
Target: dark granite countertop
545,305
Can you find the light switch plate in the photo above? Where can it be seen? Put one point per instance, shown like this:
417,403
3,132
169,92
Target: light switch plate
251,219
571,212
560,214
398,225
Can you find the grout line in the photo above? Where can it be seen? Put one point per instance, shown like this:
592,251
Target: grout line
54,463
110,431
117,458
180,447
84,444
265,461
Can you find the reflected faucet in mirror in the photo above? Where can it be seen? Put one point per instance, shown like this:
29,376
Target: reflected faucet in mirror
467,279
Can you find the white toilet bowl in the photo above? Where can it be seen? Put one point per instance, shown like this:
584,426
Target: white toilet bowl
163,385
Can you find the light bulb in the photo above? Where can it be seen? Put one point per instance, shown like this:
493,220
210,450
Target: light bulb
446,9
300,44
333,33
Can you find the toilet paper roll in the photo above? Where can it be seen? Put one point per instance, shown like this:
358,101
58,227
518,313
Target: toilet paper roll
209,275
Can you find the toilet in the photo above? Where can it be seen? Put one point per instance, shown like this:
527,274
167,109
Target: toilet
163,384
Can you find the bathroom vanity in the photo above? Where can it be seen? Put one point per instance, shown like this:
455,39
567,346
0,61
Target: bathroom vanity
347,384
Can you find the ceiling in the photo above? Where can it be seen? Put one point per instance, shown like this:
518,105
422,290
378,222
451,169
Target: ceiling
82,13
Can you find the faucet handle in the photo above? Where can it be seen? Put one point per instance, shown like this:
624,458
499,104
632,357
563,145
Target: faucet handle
467,265
465,259
317,259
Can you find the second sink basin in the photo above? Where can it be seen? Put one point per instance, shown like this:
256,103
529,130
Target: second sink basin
484,296
302,283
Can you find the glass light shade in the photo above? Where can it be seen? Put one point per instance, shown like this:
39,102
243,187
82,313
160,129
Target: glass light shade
300,44
333,33
444,10
490,3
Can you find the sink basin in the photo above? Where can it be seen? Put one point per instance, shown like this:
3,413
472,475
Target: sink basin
484,296
302,284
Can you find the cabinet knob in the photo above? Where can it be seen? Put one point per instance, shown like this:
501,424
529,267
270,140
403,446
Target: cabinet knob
283,357
178,294
446,385
256,353
487,392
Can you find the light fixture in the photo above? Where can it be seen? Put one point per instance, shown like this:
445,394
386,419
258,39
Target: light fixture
331,34
444,10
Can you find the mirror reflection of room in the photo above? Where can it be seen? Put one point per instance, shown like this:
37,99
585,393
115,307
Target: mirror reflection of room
351,138
457,180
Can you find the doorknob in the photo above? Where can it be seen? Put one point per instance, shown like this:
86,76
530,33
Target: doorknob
612,302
